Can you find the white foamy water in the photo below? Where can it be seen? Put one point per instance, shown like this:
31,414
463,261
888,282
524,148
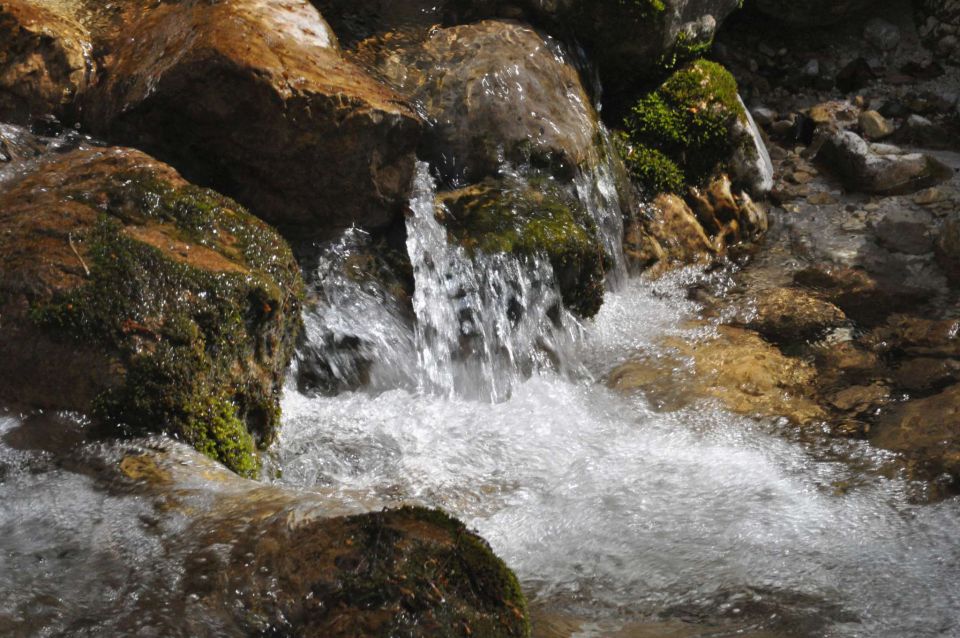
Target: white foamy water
596,499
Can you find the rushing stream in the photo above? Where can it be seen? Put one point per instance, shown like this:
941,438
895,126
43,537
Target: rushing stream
608,508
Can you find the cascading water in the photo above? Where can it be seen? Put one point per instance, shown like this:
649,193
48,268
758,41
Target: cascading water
606,507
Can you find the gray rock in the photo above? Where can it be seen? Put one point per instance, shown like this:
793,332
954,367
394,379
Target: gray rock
906,231
862,169
882,34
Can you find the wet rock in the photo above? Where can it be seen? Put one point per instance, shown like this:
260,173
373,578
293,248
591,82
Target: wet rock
677,233
811,12
906,231
525,220
46,60
917,337
860,400
925,374
356,20
736,367
254,98
790,315
948,248
729,218
874,126
630,42
927,432
253,559
864,170
881,34
496,91
862,297
153,304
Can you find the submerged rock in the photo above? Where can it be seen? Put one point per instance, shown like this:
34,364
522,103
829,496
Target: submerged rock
528,220
790,315
46,60
154,304
254,98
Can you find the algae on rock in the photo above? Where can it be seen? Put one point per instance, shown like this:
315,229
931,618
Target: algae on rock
177,308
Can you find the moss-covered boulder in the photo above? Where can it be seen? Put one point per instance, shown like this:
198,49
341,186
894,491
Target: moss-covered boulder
526,220
155,305
46,60
630,41
688,130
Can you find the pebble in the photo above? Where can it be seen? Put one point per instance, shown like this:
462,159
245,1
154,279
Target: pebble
875,126
882,34
821,198
929,196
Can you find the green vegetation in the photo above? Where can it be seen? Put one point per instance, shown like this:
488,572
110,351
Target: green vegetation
686,125
200,345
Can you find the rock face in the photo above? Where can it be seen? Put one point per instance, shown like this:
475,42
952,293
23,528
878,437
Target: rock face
153,304
493,92
45,61
630,42
254,98
811,12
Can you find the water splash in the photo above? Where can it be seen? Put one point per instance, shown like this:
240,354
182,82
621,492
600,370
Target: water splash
483,321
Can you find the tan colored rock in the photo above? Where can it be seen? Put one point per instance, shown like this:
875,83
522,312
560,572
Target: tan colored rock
874,126
863,298
746,374
916,336
679,232
255,98
46,60
792,315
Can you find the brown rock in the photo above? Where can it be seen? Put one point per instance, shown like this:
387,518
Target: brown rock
860,296
923,374
152,304
496,91
926,432
679,233
874,126
738,368
791,315
46,60
254,97
916,336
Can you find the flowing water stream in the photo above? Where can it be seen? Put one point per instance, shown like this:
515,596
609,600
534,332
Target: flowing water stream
606,506
491,402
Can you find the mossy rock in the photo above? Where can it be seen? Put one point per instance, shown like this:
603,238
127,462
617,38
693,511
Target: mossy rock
150,303
686,131
631,42
411,572
539,219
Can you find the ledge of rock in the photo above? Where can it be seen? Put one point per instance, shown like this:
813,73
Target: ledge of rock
154,304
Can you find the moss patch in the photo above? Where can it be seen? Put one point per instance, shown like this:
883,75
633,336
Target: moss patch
687,123
536,220
202,350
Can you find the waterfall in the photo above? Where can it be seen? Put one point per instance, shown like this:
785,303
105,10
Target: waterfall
483,321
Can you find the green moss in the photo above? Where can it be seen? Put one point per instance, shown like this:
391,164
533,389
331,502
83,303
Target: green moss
535,220
442,585
689,120
201,351
653,170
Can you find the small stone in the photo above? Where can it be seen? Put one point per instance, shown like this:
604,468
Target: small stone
800,177
763,115
811,69
781,128
929,196
875,126
821,198
882,34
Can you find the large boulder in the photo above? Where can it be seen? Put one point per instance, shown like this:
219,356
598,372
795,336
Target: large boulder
630,41
152,304
496,91
810,12
255,98
46,60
